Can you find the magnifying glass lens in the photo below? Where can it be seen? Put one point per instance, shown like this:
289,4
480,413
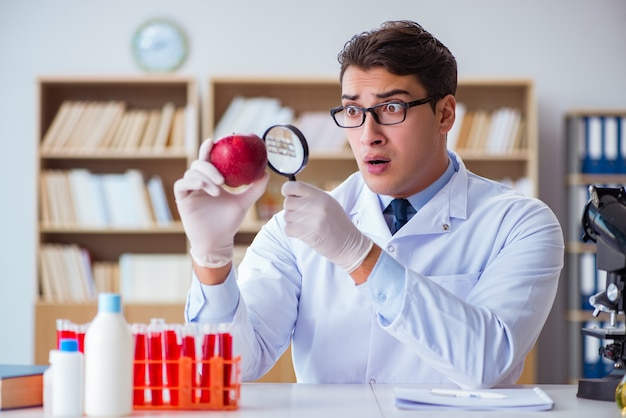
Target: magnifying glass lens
287,150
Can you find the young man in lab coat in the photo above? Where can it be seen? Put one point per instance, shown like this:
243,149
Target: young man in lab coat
458,294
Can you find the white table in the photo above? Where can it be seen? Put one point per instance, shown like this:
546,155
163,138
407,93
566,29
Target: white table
283,400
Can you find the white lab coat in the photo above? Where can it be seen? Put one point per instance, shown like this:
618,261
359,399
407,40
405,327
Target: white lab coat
460,296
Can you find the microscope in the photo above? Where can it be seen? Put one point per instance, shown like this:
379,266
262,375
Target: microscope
604,222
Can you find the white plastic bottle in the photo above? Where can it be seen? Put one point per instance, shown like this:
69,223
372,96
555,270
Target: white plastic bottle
67,379
108,360
47,386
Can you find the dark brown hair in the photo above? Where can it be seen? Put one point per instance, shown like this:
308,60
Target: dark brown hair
403,48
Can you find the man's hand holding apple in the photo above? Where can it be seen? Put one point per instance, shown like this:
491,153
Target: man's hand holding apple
211,215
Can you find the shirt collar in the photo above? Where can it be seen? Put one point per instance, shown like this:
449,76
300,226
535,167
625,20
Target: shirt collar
419,199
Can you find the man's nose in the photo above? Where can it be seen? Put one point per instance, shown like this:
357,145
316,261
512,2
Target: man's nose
371,131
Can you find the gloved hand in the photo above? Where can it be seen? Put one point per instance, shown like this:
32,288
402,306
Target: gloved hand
212,215
315,217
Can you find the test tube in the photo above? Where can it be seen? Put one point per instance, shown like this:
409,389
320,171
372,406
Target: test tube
225,351
139,372
208,351
65,330
155,360
81,329
189,333
172,356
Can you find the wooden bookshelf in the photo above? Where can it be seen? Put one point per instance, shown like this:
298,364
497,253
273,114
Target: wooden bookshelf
582,276
329,168
168,161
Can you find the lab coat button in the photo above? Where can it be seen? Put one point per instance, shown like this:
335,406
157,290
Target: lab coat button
382,297
391,248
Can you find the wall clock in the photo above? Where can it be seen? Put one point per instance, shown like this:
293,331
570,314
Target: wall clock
160,45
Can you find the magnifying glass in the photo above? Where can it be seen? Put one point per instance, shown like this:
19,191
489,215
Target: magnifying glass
287,150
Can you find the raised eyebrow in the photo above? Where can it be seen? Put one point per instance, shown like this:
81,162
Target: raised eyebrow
391,93
384,95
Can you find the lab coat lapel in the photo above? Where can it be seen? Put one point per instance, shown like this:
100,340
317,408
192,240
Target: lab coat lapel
368,217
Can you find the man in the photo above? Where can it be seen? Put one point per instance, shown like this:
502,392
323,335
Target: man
458,294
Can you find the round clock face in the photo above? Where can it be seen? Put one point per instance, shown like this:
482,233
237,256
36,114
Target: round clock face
159,45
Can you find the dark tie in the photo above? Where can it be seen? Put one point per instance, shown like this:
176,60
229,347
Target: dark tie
399,207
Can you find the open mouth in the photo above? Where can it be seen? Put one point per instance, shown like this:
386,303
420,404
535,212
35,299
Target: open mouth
377,162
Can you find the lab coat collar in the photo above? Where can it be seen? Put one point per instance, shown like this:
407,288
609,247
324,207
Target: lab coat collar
435,217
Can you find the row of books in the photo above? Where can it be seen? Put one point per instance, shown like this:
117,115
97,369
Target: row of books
79,198
67,274
500,131
257,114
90,126
601,143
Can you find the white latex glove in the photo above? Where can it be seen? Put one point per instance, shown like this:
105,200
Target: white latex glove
212,215
315,217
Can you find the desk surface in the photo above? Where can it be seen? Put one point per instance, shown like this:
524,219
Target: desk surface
283,400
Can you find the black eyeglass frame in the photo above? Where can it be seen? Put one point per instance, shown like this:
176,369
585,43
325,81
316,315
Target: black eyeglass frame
365,110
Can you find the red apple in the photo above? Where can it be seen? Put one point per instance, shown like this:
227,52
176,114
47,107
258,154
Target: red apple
241,158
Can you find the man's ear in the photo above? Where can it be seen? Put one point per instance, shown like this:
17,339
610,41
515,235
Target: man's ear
446,111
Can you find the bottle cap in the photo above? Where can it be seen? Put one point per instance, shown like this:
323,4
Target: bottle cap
68,344
109,302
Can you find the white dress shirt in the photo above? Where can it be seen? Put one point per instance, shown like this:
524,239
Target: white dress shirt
459,294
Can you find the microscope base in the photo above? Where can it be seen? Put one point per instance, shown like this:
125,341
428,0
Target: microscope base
602,389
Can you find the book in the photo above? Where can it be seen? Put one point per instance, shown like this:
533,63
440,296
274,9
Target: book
225,124
21,386
464,131
152,126
453,133
158,201
111,119
611,144
133,140
154,278
106,276
165,127
60,118
118,137
177,137
506,399
592,162
58,194
86,199
70,121
84,126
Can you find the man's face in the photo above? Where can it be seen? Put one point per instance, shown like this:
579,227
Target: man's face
403,159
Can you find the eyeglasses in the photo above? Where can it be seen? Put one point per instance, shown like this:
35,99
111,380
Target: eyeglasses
388,113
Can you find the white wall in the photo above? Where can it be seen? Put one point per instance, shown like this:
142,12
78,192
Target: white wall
575,50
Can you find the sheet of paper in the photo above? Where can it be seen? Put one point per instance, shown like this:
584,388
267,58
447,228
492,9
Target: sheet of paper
529,399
